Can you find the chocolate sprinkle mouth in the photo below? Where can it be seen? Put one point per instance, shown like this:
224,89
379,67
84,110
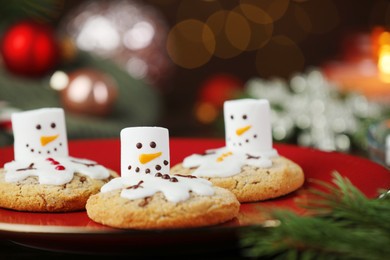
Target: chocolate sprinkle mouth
138,185
30,167
187,176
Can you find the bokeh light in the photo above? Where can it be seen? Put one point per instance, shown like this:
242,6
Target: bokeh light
190,43
127,32
104,40
255,14
59,80
206,113
274,8
261,25
232,33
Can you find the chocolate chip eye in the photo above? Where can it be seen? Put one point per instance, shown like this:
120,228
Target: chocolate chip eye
39,127
139,145
231,117
153,144
53,125
244,117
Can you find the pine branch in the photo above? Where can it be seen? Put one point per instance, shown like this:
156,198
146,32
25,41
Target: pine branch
347,225
40,10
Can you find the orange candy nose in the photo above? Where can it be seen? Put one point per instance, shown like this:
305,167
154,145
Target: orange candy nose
242,130
147,157
48,139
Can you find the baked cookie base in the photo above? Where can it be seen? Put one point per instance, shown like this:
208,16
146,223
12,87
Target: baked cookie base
156,212
255,183
29,195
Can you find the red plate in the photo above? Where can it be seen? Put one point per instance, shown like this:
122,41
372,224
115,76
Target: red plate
75,232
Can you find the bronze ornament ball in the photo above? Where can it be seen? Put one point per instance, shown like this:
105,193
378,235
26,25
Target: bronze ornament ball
87,91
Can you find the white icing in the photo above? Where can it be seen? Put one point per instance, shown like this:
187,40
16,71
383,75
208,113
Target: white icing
89,168
224,163
173,191
47,173
248,141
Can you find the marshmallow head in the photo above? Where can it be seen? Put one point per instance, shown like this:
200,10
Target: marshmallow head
39,133
144,150
248,125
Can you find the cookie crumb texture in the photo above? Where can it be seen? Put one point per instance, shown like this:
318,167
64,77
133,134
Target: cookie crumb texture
258,184
156,212
29,195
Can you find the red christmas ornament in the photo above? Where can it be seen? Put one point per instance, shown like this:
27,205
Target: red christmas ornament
29,49
219,88
213,93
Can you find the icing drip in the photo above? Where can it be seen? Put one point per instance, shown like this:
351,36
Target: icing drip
223,162
139,186
54,170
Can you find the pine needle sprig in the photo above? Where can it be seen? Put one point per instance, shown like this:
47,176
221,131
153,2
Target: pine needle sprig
348,203
348,226
44,10
39,10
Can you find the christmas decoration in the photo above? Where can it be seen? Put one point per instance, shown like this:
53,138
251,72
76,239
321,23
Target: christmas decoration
311,111
130,33
29,48
136,103
344,224
213,93
110,102
219,88
86,91
307,109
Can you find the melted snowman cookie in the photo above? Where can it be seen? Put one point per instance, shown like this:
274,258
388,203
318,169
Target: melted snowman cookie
248,165
146,196
43,177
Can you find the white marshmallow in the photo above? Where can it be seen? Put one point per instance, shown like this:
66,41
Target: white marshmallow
248,126
39,133
144,150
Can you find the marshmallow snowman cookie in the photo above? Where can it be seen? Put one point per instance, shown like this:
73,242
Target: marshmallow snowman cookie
248,165
43,177
147,196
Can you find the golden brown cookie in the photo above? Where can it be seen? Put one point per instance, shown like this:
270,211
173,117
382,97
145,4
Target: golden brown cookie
29,195
255,183
156,212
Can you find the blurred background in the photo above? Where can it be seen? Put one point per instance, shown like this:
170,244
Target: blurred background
324,65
